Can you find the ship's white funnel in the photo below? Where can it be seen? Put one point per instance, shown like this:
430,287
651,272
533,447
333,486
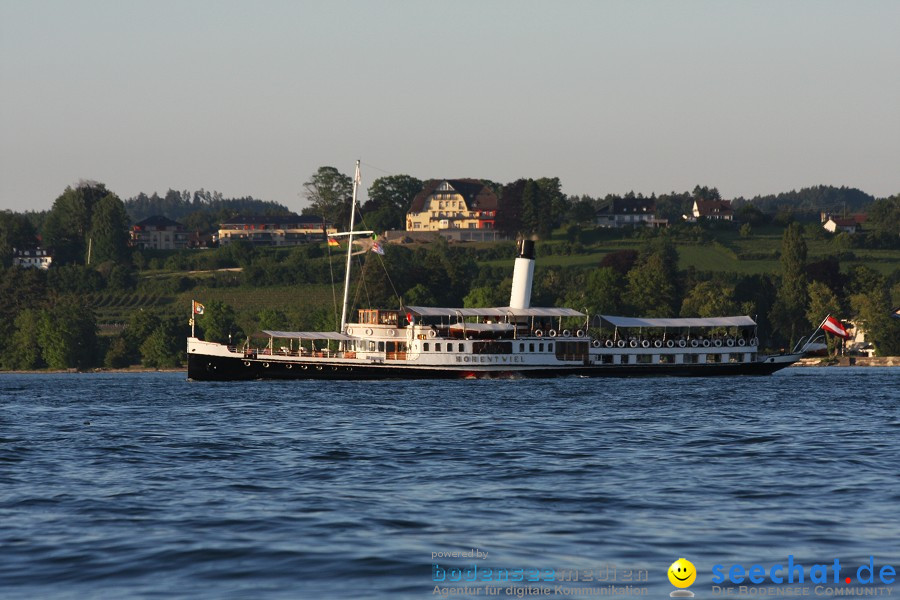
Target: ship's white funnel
523,274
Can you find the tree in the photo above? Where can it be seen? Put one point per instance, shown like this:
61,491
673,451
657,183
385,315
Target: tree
651,288
24,351
328,191
873,309
68,336
68,224
164,348
822,302
16,231
109,231
789,311
389,201
219,323
709,299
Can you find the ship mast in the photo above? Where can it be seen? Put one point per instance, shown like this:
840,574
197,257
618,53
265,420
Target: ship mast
349,250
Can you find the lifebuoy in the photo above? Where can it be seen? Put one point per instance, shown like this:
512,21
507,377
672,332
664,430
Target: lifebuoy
730,342
596,343
670,344
538,333
566,333
706,343
552,333
368,332
658,343
633,343
694,343
718,343
609,343
579,333
432,333
754,342
682,343
393,332
645,343
741,342
621,343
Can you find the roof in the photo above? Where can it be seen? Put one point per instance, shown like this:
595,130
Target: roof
713,207
850,222
306,335
628,206
476,194
711,322
158,221
484,327
274,220
499,311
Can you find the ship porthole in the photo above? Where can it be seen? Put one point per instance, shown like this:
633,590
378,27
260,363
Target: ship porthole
368,332
266,365
349,331
210,367
318,367
334,368
303,367
393,332
288,366
246,363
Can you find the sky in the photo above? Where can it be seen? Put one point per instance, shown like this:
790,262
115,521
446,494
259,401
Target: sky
252,97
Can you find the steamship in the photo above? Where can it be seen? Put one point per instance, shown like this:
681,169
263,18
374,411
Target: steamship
417,342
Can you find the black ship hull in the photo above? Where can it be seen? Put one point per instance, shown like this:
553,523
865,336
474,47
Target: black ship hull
219,368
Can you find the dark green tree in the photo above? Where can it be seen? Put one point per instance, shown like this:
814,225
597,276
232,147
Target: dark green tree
164,348
328,192
709,299
219,323
389,201
68,224
24,351
109,231
789,311
651,288
16,231
68,336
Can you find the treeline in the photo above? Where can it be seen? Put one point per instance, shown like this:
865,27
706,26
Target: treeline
179,205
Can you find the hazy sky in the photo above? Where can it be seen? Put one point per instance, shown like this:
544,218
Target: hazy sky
251,97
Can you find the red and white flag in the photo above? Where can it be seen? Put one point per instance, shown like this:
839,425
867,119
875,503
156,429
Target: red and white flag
833,326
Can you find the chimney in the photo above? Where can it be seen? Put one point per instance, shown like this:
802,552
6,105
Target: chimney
520,296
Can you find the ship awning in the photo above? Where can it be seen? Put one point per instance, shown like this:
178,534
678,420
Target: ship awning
499,312
306,335
711,322
484,327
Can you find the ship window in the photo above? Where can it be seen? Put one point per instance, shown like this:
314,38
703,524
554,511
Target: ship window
540,347
381,346
425,347
644,359
606,359
371,346
521,347
691,358
550,347
713,358
462,347
666,359
437,347
736,357
531,347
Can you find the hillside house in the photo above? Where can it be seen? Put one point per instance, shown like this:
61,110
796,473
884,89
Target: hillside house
159,233
714,210
281,230
452,204
635,212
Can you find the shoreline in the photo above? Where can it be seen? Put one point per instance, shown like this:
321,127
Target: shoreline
847,361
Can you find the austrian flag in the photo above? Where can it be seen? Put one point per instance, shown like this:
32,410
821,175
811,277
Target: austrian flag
198,308
833,326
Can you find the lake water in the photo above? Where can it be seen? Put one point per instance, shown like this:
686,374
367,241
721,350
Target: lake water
150,486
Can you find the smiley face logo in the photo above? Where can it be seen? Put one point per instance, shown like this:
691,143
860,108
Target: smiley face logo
682,573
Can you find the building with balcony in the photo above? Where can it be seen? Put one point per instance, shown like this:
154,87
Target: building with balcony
281,230
452,204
